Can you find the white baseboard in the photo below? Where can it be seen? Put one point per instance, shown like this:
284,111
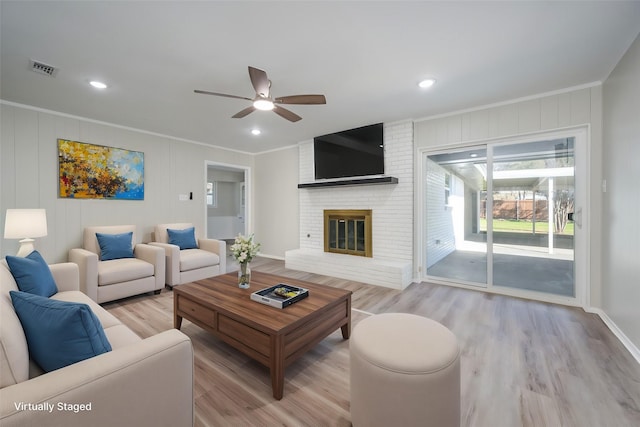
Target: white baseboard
629,345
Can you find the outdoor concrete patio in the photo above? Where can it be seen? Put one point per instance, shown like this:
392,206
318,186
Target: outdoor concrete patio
515,266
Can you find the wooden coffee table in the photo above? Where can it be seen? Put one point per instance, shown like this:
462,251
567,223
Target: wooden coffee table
273,337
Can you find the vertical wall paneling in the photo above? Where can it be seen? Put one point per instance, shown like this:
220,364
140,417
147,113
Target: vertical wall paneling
478,126
595,195
47,169
454,129
29,177
529,116
581,107
277,200
507,120
7,174
564,110
621,202
549,115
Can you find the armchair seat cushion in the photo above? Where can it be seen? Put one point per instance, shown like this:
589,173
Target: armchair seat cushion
191,259
123,270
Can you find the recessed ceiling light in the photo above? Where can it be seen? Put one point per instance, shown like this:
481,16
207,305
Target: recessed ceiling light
255,131
427,83
473,155
97,84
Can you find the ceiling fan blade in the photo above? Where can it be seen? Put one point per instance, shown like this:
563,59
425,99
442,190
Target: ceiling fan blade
222,94
260,81
289,115
245,112
301,99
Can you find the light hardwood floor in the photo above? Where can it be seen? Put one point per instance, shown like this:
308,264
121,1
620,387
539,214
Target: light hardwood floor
523,363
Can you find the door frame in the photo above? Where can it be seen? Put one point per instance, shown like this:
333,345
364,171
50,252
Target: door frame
582,253
248,223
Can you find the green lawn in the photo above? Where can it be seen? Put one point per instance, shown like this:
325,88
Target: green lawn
514,226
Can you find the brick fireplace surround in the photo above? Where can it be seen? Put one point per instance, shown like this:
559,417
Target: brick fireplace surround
392,218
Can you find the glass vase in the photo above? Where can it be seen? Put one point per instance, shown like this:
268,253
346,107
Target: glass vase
244,275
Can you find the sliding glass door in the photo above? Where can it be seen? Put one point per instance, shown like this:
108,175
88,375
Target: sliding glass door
503,215
533,194
455,244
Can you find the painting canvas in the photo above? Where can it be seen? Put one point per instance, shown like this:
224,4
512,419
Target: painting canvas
88,171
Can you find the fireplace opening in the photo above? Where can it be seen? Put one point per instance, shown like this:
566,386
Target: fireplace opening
348,232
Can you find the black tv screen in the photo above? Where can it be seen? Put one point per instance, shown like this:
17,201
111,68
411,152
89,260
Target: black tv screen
354,152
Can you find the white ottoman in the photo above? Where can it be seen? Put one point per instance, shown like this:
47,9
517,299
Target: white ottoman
405,371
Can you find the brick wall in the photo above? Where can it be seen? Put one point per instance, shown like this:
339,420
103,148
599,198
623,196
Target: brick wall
440,234
392,218
392,205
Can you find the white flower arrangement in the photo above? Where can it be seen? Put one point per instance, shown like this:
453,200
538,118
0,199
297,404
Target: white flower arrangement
244,248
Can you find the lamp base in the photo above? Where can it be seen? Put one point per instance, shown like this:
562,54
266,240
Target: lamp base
26,247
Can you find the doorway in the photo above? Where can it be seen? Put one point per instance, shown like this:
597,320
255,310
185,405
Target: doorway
226,200
506,216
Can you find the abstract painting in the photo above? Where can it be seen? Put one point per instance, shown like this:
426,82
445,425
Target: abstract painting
88,171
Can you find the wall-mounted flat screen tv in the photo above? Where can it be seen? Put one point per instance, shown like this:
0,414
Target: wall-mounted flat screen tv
350,153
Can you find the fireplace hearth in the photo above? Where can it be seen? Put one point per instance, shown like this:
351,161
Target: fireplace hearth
348,231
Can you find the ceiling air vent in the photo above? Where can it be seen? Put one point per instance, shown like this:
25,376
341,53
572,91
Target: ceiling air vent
42,68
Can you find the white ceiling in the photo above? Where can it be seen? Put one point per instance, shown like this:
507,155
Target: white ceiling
365,57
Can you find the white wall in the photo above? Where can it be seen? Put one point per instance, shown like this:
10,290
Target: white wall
28,177
276,201
555,111
621,219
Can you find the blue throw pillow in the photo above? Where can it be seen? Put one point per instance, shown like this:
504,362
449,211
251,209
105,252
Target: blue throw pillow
59,333
32,274
186,238
115,246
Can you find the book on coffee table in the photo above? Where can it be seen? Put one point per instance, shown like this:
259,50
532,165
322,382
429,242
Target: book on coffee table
280,295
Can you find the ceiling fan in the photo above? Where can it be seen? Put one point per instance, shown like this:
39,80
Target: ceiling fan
264,101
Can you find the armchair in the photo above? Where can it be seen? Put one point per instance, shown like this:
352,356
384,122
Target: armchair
113,279
188,265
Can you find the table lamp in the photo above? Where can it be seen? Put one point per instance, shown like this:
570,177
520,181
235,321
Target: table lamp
25,224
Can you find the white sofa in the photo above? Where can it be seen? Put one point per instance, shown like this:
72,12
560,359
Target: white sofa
139,383
189,265
105,281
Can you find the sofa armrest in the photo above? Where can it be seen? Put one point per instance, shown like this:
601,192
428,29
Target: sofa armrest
66,275
218,247
153,255
146,383
88,265
172,252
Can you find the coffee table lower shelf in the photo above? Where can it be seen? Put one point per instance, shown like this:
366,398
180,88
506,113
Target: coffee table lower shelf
276,341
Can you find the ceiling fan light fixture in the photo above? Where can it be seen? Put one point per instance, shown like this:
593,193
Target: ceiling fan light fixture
255,132
263,104
98,84
427,83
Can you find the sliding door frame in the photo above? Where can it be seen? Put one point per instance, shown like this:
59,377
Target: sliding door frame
581,235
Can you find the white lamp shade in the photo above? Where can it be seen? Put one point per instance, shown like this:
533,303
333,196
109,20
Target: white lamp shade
25,223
